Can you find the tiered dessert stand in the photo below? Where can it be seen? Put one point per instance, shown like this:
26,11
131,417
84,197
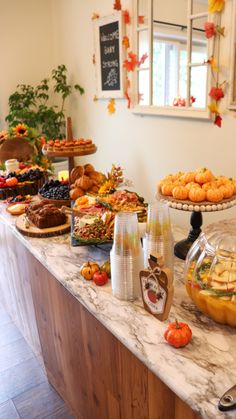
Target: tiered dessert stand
182,247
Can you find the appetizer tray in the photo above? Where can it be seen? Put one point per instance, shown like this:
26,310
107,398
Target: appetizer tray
25,227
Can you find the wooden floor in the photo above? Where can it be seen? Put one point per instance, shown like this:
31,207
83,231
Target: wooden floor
24,389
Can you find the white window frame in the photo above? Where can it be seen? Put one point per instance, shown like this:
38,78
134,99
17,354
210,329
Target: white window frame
187,111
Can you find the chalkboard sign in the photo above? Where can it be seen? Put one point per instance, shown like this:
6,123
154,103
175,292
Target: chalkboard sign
109,58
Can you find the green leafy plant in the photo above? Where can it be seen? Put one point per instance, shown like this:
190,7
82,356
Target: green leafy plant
31,105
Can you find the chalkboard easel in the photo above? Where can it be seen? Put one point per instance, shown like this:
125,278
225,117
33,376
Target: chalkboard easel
109,56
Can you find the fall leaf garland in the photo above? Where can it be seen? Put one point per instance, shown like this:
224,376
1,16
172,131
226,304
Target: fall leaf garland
212,31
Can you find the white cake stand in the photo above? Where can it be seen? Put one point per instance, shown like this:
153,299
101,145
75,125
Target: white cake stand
182,247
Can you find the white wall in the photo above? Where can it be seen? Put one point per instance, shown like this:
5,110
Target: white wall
146,147
25,46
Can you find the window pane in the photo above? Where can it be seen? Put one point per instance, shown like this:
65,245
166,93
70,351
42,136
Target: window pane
143,87
198,86
143,46
199,41
200,6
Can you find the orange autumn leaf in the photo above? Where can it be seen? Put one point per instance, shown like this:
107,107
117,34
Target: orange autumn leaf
213,108
117,5
213,64
141,20
94,59
131,62
95,16
111,106
126,17
125,42
95,98
215,6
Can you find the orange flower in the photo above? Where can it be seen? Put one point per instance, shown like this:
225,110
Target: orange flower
215,6
21,130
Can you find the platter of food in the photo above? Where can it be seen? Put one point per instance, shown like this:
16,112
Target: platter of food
42,219
199,190
56,192
69,148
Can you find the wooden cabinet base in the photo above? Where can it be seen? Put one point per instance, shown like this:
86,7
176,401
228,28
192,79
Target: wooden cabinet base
97,376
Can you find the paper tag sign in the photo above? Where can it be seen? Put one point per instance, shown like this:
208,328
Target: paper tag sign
157,289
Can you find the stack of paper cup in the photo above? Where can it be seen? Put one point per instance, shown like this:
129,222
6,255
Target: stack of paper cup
126,257
158,237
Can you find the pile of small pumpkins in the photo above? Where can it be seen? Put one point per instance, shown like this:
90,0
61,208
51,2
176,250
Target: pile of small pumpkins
198,186
91,271
85,179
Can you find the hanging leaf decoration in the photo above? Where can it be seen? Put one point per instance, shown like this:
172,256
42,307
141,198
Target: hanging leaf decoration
126,16
125,42
111,106
117,5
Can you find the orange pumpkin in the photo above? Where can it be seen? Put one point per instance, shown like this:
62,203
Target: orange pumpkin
197,195
178,334
227,190
203,175
88,269
180,192
167,188
209,185
188,177
214,195
191,185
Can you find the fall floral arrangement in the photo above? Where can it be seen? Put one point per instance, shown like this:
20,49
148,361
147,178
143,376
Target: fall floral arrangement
37,142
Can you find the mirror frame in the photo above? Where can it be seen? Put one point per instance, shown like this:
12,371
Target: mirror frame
187,111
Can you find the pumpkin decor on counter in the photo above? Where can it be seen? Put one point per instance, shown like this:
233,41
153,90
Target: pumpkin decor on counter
88,269
178,334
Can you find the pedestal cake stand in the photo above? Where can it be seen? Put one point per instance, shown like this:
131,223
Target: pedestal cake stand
182,247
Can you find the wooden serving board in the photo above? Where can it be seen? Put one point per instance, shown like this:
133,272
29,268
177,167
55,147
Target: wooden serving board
33,231
56,202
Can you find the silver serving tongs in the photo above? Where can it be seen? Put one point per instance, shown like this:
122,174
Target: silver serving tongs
228,400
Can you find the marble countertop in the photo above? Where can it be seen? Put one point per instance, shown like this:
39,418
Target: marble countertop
199,373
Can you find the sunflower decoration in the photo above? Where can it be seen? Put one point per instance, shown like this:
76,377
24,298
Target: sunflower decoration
37,141
21,130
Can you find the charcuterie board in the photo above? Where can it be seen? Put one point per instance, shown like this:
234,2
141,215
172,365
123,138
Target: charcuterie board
25,227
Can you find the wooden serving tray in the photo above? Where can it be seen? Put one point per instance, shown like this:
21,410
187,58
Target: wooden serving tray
33,231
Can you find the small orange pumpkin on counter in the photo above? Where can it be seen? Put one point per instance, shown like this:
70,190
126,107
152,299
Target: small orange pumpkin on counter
88,269
178,334
197,195
180,192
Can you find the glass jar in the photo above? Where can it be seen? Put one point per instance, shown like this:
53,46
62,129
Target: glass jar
210,276
12,165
